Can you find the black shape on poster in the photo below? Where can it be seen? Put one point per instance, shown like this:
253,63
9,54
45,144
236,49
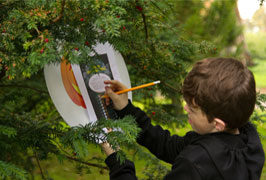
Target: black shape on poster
93,76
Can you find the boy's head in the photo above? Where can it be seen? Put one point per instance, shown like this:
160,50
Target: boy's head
223,88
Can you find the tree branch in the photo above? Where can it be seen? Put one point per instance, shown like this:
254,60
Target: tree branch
61,13
23,86
39,165
66,154
155,5
144,21
145,25
87,163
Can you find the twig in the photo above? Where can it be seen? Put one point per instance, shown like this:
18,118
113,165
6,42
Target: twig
144,22
37,30
78,160
87,163
155,5
145,25
62,11
37,159
60,147
23,86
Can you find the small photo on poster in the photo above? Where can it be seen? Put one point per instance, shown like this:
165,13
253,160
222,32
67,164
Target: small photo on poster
94,76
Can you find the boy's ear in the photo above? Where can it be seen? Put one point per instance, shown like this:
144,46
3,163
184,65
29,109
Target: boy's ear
219,124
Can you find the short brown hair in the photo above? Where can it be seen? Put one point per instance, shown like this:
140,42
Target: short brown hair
223,88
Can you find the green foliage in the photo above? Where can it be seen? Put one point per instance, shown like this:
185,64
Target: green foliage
153,169
10,170
38,135
212,21
259,72
256,44
8,131
261,100
259,115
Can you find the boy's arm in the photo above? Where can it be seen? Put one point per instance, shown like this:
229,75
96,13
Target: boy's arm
120,171
157,140
182,169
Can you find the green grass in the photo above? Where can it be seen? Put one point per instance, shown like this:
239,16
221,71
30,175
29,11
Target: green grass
67,170
259,72
257,46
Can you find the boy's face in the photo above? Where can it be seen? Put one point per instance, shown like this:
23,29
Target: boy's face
198,120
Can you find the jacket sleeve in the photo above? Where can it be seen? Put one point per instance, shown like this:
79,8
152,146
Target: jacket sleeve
183,169
120,171
158,141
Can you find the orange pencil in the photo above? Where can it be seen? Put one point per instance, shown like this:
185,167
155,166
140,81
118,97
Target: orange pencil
134,88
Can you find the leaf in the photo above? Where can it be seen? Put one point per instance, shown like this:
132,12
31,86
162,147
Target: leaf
8,131
81,148
26,45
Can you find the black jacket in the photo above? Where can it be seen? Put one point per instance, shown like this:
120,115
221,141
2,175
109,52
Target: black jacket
214,156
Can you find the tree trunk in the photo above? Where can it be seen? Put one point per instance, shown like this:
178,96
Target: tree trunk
245,56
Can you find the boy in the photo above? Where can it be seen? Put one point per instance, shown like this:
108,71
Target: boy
220,95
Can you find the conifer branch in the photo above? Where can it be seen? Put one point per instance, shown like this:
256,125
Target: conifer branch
23,86
155,5
87,163
61,13
8,170
39,165
66,154
145,25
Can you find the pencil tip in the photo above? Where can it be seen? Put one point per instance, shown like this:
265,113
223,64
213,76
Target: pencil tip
157,82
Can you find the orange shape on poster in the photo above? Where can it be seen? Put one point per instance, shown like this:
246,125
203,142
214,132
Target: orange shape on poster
70,84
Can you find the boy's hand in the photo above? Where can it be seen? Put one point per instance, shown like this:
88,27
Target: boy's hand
120,101
106,147
108,150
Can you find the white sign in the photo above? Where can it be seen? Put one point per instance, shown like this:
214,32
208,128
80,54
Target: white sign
69,89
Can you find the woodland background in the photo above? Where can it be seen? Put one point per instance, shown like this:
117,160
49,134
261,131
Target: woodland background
159,40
